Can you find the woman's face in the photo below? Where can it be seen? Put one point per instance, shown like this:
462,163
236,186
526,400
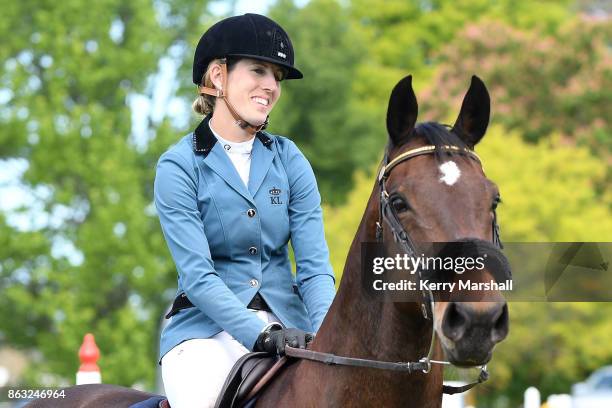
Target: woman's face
254,87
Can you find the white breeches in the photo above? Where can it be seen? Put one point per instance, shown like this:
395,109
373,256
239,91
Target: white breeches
195,370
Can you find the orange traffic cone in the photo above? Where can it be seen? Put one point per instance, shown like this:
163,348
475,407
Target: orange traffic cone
89,372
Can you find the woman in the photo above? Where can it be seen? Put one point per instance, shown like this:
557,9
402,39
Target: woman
229,198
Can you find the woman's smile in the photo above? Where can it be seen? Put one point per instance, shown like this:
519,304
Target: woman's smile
260,100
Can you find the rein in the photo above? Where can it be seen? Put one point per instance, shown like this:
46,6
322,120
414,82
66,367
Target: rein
401,236
423,365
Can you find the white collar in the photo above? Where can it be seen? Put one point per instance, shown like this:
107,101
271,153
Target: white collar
234,147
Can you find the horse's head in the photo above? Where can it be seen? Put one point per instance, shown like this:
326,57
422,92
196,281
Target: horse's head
445,197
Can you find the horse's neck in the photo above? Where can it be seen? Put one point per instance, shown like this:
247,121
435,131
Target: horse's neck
360,325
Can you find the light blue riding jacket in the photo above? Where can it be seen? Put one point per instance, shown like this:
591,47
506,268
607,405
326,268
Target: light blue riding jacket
229,241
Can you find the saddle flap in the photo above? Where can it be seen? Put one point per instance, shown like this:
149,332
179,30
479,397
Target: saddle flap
252,371
242,378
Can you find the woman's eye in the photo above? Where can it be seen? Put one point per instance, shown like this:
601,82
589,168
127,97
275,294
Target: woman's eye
399,204
258,71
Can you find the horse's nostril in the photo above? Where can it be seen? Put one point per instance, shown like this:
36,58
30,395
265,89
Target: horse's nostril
500,327
455,322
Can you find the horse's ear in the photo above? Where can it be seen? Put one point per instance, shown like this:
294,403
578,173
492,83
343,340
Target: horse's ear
402,112
473,119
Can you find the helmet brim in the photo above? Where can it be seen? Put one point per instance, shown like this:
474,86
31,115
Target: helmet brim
292,73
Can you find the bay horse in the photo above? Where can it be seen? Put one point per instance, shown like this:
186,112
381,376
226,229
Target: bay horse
417,198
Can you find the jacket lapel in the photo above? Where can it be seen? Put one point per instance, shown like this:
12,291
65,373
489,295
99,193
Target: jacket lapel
212,155
218,161
261,160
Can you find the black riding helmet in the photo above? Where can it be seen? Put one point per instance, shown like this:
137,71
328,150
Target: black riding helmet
249,36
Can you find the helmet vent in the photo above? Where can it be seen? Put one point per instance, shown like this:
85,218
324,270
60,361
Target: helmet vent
280,47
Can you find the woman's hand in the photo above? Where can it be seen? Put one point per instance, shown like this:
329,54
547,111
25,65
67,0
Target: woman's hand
273,339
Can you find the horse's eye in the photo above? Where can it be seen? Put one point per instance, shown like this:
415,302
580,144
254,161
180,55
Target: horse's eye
399,204
496,201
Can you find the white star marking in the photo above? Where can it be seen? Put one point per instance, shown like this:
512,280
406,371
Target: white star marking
450,173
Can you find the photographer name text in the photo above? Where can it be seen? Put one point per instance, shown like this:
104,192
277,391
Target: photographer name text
426,284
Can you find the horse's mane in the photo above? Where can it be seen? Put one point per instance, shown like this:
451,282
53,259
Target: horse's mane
439,135
436,134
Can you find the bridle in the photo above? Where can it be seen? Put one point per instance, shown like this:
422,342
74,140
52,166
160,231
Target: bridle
387,211
388,214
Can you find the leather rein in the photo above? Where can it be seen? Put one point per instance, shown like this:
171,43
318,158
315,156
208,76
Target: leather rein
387,214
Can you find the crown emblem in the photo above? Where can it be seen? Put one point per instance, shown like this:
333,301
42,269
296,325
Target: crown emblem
274,191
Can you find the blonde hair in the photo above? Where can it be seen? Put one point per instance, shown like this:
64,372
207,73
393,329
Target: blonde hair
205,104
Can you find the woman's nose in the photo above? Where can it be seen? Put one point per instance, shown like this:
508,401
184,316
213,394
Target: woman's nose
269,83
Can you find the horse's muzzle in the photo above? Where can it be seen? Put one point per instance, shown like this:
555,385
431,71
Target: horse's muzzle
474,329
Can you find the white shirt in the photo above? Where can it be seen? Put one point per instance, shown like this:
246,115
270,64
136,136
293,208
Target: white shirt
239,153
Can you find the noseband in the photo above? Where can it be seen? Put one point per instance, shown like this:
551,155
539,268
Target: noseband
388,214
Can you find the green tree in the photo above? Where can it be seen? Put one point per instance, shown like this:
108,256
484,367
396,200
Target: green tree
408,35
540,83
368,46
317,112
353,53
548,193
98,263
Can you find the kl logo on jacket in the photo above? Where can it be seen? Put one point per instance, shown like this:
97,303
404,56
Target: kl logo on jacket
275,196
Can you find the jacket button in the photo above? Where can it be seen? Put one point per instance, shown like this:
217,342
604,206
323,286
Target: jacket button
251,212
253,251
253,283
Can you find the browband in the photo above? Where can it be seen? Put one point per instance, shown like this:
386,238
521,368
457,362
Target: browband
386,168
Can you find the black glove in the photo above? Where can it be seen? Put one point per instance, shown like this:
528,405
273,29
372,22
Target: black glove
274,339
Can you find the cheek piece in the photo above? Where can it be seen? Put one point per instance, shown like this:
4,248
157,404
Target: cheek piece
252,129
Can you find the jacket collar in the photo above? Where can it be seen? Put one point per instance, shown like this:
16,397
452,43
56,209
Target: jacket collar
213,156
204,140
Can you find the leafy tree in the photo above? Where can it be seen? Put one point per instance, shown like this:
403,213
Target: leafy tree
356,51
341,222
317,112
540,83
409,34
391,39
549,196
98,263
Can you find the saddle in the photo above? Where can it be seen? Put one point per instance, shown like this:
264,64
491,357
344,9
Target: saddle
248,376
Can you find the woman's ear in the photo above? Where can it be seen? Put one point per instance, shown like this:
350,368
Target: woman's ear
215,74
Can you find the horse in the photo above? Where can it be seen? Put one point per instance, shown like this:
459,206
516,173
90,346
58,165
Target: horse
431,188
